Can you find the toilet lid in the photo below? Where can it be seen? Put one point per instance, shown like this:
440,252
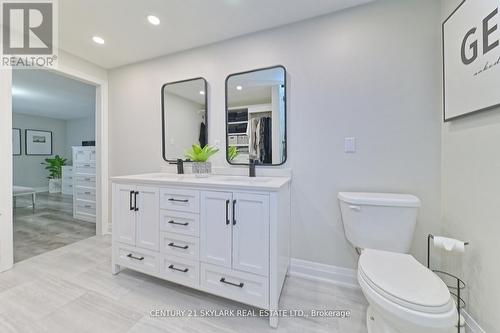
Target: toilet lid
404,278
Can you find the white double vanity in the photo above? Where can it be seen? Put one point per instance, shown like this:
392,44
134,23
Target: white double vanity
224,235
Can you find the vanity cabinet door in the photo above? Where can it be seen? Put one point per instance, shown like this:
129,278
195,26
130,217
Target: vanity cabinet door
148,218
124,214
215,228
251,233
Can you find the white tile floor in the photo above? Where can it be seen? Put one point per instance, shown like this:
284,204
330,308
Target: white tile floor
71,289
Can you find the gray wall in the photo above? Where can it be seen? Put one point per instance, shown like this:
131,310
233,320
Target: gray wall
471,205
65,134
78,130
372,72
27,169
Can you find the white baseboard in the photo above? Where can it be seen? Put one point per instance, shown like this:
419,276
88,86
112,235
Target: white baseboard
324,273
471,325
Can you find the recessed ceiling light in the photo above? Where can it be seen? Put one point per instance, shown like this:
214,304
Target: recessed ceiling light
239,88
98,40
202,92
154,20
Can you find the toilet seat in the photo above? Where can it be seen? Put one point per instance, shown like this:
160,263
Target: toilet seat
402,280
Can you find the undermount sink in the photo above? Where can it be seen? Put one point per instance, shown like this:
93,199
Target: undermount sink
220,178
242,179
173,176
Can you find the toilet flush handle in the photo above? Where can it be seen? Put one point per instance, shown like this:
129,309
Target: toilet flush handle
355,208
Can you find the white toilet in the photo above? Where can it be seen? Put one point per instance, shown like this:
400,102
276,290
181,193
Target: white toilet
403,295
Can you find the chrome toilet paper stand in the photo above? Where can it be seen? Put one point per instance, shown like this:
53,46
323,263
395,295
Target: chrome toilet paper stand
456,290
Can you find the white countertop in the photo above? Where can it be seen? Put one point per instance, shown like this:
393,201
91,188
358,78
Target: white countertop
224,181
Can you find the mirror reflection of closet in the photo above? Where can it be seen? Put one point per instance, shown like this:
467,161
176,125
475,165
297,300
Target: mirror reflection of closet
184,117
256,117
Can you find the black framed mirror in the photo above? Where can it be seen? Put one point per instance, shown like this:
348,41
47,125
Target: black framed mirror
256,107
184,107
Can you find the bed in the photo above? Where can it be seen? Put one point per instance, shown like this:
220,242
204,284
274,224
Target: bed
18,191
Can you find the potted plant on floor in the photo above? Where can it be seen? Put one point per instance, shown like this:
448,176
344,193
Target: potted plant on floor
199,156
54,166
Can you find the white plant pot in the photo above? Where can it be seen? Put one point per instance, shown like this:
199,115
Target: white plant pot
55,185
202,169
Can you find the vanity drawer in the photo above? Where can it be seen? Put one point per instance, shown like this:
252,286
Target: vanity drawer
180,223
182,271
87,168
85,207
180,200
85,180
139,259
243,287
187,247
85,193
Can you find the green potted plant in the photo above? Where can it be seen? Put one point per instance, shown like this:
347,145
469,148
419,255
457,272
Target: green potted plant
232,152
54,166
199,156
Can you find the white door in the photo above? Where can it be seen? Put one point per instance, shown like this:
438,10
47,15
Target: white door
124,213
215,228
148,218
251,233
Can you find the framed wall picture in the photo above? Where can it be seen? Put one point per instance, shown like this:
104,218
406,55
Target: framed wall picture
16,141
38,142
471,58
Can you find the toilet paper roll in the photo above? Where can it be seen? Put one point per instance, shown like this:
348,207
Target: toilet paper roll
449,244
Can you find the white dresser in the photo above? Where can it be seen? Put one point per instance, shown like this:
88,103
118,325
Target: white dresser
84,183
67,180
228,236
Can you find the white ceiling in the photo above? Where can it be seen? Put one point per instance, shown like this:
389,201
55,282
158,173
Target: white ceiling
185,24
42,93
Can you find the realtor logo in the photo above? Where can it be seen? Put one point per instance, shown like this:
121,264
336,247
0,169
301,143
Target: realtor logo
29,33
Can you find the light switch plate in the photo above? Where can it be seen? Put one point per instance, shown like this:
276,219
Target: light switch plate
350,145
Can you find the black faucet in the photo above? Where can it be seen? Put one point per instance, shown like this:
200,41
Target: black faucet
180,166
251,168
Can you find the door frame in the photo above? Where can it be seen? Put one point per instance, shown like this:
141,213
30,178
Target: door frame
6,159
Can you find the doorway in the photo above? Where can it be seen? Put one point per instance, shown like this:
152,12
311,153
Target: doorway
6,158
53,139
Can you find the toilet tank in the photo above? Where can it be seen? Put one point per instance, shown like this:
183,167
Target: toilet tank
380,221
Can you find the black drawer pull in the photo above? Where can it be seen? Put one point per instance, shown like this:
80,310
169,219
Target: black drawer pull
223,280
227,212
178,200
178,223
234,212
87,193
131,256
185,247
136,208
131,204
185,270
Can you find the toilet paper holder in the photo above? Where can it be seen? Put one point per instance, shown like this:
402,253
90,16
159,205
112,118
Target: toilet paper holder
456,290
